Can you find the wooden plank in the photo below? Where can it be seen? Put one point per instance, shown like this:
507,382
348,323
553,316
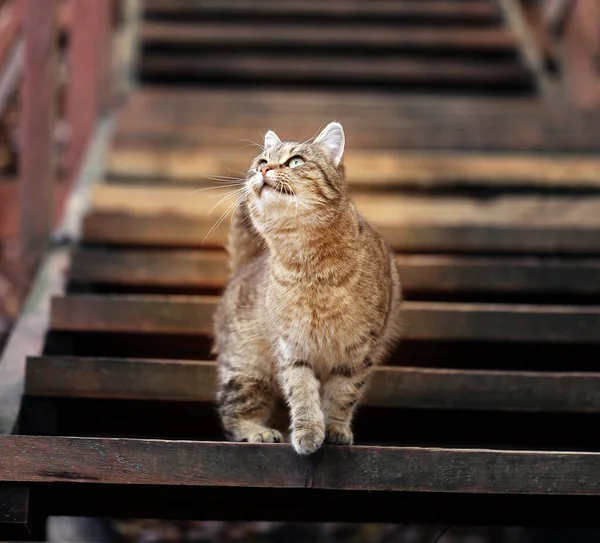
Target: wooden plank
103,461
170,216
426,321
419,273
365,168
399,387
87,87
36,159
175,231
264,34
300,69
383,209
407,10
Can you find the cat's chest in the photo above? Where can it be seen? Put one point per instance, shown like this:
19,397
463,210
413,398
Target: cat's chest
320,323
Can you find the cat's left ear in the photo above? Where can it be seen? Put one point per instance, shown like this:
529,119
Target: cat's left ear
271,139
333,139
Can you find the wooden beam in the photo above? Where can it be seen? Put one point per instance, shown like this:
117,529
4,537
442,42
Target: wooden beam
103,461
397,387
426,321
88,85
37,127
172,269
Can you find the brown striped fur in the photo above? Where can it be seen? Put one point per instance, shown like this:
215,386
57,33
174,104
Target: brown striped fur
313,303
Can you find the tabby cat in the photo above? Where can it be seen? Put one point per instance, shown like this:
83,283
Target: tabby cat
313,302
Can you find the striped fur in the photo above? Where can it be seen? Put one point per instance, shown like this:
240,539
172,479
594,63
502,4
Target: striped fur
313,303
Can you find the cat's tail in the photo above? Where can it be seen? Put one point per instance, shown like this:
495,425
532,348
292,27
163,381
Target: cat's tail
244,242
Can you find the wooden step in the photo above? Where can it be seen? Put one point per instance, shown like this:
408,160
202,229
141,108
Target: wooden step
156,462
228,118
426,321
404,11
265,69
360,38
139,215
365,169
397,387
420,274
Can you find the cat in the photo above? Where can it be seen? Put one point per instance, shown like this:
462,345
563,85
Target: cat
313,300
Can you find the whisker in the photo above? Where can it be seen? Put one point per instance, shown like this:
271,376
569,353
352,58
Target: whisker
223,216
212,188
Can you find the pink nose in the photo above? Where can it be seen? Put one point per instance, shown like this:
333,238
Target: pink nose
265,169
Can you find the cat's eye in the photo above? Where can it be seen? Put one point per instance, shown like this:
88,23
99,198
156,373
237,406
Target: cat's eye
261,164
295,161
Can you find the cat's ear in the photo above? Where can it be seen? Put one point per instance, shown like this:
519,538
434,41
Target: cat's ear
332,138
271,139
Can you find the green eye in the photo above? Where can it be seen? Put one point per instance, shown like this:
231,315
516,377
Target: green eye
261,164
295,161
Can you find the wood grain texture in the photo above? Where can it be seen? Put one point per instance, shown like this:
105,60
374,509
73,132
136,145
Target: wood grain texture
221,120
543,224
419,273
150,462
366,169
394,387
426,321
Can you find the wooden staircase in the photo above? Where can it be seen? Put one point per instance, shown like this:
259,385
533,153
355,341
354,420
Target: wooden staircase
415,46
492,204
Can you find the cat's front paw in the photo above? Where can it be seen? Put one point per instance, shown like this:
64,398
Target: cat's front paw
264,436
339,434
308,439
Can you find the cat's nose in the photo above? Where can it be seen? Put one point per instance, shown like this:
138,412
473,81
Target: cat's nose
265,169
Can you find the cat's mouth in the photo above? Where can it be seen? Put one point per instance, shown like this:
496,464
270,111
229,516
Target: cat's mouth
273,187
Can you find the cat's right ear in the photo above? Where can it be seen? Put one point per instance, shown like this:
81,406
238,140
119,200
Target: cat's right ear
271,139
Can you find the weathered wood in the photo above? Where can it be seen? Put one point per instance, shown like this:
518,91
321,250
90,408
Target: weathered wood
426,321
186,232
372,120
88,80
405,11
366,169
104,461
363,37
543,224
36,160
376,71
405,387
420,273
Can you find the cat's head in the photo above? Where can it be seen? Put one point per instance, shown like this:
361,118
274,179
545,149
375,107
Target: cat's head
294,183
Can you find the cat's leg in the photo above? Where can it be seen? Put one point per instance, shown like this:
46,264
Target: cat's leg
245,404
341,392
301,389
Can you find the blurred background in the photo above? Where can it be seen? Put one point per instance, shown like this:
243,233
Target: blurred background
452,77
